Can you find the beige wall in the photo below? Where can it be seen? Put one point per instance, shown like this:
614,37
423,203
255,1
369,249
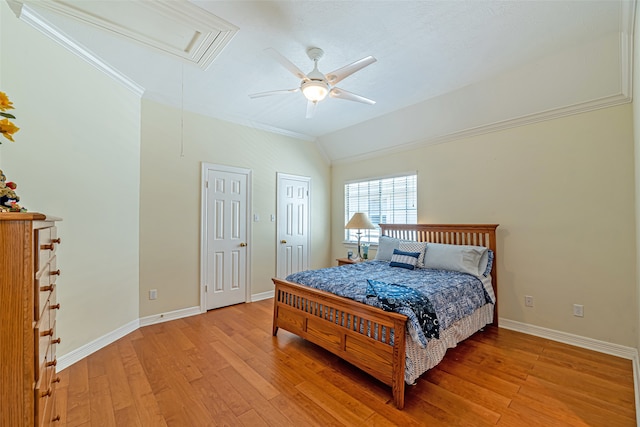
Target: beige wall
562,191
563,194
170,199
77,157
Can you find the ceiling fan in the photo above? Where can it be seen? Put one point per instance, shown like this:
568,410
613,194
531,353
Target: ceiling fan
316,86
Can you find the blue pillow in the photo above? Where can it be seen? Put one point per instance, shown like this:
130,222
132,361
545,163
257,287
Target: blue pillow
403,259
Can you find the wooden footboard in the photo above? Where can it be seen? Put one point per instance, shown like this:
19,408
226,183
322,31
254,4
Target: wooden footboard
358,333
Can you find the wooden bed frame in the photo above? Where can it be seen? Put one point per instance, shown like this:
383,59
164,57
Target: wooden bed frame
312,313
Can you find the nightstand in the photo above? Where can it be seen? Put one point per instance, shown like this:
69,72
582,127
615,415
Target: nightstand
345,261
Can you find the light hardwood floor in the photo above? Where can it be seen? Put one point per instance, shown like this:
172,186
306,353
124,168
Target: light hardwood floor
225,368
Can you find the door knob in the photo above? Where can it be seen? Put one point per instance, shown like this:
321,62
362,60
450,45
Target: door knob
242,245
283,241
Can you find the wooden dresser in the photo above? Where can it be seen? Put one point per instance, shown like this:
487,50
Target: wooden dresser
28,339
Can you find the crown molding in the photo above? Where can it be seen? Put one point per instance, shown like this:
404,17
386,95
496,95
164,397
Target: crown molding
624,96
31,17
556,113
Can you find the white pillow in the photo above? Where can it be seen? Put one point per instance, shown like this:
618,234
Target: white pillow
462,258
411,246
386,245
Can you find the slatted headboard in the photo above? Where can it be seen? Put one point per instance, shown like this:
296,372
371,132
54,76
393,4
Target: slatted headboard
453,234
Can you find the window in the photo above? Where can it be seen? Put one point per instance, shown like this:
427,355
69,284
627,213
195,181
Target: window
388,200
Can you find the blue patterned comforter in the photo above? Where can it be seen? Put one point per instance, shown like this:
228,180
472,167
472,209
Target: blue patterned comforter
447,295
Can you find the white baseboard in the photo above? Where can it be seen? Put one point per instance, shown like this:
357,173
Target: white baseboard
571,339
172,315
78,354
588,343
262,295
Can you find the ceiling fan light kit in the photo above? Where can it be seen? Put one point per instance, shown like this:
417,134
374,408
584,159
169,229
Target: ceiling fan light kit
315,90
315,86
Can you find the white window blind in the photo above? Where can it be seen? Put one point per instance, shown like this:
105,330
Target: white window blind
387,200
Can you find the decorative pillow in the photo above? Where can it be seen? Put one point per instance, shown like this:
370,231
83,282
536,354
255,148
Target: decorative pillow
462,258
386,245
411,246
403,259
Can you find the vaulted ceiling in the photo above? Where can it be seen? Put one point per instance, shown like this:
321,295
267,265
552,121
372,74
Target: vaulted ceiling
444,68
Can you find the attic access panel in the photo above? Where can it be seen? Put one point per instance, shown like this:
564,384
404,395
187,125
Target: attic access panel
176,27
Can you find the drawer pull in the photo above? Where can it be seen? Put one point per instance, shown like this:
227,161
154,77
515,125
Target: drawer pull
56,418
48,288
45,393
56,380
58,240
55,307
55,273
46,333
56,341
48,246
54,363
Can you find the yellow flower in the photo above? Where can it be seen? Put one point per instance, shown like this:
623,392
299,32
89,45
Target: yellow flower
5,103
7,128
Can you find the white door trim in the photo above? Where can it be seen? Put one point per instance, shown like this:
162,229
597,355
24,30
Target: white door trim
203,227
307,179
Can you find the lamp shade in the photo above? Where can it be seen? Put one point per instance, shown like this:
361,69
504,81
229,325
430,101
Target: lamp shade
359,220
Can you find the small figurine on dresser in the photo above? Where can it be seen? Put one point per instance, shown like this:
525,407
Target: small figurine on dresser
8,197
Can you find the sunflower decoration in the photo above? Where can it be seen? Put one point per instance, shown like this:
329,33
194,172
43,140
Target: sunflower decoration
7,128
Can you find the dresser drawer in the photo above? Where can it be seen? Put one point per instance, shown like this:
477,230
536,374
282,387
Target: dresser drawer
46,417
45,285
43,334
53,306
44,395
50,413
44,291
44,248
53,345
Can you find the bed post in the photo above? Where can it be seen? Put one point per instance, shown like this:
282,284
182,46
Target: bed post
399,350
274,326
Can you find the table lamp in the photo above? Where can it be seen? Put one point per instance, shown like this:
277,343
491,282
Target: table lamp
359,221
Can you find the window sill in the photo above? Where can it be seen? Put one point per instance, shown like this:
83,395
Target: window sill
348,243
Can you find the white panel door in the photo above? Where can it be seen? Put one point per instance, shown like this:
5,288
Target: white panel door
293,224
226,237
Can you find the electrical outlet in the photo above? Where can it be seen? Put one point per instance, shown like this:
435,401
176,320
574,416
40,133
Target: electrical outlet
528,301
578,310
153,293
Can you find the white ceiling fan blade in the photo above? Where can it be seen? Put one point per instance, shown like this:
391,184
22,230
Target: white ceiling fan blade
274,92
343,94
311,108
344,72
286,63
